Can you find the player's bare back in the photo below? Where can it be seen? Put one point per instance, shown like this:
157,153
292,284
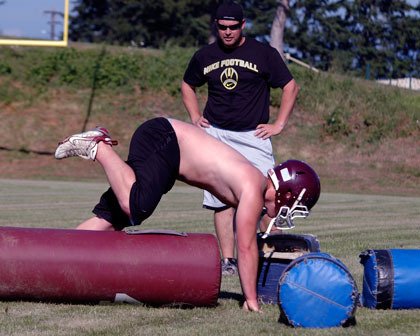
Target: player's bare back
209,164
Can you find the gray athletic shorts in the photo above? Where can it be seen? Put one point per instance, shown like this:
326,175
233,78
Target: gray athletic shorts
256,150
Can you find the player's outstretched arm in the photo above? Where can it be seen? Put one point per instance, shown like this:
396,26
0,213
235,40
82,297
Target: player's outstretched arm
247,216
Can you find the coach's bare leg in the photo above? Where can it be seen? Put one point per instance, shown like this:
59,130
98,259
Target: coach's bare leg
97,224
223,223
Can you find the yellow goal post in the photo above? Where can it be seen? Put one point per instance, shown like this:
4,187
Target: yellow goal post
42,42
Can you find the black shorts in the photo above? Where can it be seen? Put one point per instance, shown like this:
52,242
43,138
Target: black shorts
154,157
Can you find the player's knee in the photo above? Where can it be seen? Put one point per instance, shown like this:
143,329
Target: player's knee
125,206
141,204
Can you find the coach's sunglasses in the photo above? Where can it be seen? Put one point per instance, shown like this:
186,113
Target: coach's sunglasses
232,27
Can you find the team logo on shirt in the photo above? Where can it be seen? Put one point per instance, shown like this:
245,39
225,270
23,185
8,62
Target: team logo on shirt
229,78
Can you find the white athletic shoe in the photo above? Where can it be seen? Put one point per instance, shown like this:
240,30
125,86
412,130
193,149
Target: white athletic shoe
84,145
229,266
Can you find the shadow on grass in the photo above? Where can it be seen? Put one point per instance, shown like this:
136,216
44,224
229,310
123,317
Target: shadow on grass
98,65
231,296
26,151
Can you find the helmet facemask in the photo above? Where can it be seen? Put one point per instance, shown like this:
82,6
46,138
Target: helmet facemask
285,214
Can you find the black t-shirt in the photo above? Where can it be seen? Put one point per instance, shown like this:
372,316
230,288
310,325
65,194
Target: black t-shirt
239,82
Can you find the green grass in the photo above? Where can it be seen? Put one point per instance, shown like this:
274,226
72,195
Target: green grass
354,111
345,225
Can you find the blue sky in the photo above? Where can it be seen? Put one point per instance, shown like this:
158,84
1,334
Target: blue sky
26,18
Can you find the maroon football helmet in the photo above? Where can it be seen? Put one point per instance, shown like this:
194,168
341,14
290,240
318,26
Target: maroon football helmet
297,190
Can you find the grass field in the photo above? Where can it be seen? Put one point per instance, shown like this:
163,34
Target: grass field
345,224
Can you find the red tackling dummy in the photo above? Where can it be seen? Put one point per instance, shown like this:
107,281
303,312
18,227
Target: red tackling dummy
153,267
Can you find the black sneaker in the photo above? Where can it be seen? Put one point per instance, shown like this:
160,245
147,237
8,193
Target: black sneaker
229,266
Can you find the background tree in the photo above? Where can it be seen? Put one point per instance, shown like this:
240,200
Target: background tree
386,37
339,35
353,36
259,15
146,23
371,32
277,27
318,31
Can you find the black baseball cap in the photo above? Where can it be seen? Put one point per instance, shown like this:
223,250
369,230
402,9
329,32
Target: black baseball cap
229,10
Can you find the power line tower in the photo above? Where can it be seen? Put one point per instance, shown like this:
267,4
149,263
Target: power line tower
53,22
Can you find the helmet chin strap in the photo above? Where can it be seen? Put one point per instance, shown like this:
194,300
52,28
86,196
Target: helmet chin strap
286,215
